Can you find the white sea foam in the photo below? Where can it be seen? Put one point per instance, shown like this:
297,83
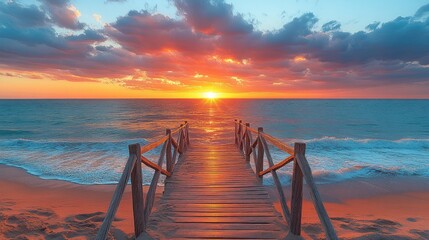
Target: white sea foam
85,141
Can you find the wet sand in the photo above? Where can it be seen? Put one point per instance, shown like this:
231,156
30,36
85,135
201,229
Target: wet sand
382,208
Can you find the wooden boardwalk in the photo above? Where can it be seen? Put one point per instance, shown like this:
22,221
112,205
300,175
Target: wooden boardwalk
214,194
211,191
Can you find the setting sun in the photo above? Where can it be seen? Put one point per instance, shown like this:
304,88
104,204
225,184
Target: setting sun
210,95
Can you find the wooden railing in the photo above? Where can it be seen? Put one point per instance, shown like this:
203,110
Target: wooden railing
142,208
301,169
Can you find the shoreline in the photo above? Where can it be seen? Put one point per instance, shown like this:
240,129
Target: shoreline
31,207
360,209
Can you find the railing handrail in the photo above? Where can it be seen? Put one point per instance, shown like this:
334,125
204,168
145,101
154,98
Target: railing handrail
273,140
141,211
301,170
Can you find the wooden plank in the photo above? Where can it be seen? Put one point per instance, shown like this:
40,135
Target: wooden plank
116,199
220,199
223,219
276,180
214,190
168,154
155,167
200,234
137,191
187,133
222,226
150,198
150,146
221,214
179,208
276,166
259,166
178,129
296,199
278,143
315,196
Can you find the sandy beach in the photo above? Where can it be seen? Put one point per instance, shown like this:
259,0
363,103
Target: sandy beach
33,208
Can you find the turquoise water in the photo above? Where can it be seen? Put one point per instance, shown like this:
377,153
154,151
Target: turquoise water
85,141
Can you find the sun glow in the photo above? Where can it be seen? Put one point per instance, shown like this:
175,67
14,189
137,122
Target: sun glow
210,95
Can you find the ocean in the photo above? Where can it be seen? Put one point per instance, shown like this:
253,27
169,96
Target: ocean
85,141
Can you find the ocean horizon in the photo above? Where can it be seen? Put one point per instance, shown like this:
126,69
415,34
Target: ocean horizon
85,141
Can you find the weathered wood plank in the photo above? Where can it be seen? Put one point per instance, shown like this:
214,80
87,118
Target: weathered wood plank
116,199
282,197
276,166
296,200
137,191
155,167
150,146
315,196
150,198
214,190
257,234
222,226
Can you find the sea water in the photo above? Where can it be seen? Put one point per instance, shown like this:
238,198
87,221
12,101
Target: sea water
85,141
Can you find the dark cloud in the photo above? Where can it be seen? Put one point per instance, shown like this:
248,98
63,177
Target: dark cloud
209,39
212,17
142,33
422,12
89,35
27,25
14,14
401,39
331,26
372,26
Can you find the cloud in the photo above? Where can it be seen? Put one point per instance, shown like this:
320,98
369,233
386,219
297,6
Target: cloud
63,14
143,33
15,14
372,26
211,45
331,26
422,12
401,39
212,17
97,17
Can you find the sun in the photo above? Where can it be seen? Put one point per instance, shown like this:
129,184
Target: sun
210,95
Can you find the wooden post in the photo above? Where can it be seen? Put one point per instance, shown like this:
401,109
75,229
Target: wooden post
181,137
168,152
240,130
247,144
137,191
260,163
297,185
235,131
187,134
184,137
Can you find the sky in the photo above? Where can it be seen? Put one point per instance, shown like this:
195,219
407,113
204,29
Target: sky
235,48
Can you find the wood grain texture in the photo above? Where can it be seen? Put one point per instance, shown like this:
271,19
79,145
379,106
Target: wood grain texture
150,198
150,146
116,199
155,167
168,154
282,197
213,193
315,196
296,199
137,191
276,166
